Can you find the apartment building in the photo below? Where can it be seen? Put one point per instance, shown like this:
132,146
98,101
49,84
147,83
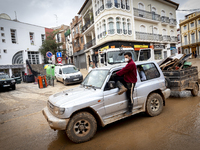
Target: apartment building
60,37
78,42
190,34
19,41
129,23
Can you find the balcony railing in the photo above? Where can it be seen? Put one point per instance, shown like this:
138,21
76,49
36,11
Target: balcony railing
100,35
172,22
123,6
108,5
117,5
166,38
164,19
129,32
87,25
112,31
119,31
174,39
125,31
90,44
127,7
100,9
104,33
148,36
146,14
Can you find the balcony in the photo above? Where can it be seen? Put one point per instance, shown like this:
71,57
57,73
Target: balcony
119,31
142,14
166,38
117,5
164,20
77,47
148,36
172,22
87,25
112,31
99,10
108,5
174,39
90,44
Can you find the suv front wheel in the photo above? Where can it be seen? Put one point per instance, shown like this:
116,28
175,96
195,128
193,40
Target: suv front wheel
82,127
154,104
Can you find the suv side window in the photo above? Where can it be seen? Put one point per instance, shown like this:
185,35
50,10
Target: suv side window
60,71
148,71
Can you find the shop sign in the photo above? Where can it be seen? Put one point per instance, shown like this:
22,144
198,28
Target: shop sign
140,46
126,46
159,46
104,48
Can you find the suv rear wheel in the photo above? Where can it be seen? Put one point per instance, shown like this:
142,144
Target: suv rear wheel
195,90
82,127
154,104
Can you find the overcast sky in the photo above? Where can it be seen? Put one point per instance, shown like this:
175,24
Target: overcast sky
51,13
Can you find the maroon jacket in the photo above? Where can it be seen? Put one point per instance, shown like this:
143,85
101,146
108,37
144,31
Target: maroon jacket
129,72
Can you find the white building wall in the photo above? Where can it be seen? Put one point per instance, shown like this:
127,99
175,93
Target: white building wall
23,40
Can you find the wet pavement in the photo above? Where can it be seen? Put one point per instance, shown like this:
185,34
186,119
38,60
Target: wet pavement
23,127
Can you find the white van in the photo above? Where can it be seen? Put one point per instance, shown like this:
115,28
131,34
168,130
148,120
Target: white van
68,74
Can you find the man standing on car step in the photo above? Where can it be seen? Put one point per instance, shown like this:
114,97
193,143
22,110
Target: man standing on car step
130,78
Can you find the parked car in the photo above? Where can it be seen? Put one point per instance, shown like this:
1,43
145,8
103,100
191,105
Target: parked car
78,111
68,74
6,81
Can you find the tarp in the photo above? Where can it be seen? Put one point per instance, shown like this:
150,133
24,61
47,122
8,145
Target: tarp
68,32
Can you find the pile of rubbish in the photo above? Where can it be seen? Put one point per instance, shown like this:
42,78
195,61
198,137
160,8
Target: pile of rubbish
178,62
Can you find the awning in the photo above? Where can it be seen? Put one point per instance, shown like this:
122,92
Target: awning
68,32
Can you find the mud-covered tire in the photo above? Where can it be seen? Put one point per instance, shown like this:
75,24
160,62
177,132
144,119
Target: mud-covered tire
154,104
167,82
82,127
13,87
195,90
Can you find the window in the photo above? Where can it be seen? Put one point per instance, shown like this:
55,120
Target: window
155,30
13,35
129,26
192,24
76,29
198,21
142,28
164,32
171,33
193,37
73,32
141,6
42,37
118,25
117,4
171,16
2,28
31,38
199,36
150,71
158,54
5,50
185,27
185,40
2,34
162,13
33,57
111,26
81,39
153,9
3,41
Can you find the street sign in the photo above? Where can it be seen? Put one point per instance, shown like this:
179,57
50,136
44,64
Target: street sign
59,54
59,59
49,54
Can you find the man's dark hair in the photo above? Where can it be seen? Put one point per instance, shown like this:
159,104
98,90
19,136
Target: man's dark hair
128,53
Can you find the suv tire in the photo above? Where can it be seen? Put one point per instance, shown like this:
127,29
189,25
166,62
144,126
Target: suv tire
82,127
154,104
13,87
65,83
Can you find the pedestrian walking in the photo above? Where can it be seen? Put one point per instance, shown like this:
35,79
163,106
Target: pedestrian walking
92,66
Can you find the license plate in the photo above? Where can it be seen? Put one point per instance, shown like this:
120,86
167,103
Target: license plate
6,85
76,79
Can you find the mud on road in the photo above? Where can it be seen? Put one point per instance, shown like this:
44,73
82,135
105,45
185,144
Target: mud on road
22,125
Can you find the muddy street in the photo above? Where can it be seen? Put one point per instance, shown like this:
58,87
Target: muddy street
22,125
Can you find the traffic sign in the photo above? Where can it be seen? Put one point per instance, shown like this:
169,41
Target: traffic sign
49,54
58,54
59,59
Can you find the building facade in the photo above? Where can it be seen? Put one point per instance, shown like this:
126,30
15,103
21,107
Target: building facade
79,58
129,23
19,41
190,34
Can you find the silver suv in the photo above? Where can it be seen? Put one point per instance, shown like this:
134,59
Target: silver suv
78,111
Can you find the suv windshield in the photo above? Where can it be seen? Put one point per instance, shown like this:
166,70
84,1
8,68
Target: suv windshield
4,76
95,78
68,70
115,57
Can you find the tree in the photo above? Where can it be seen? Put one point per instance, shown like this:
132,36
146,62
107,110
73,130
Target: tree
50,44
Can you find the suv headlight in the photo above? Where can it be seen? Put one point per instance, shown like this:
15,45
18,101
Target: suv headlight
59,111
13,81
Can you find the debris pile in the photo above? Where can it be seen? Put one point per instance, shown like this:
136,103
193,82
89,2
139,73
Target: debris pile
176,62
